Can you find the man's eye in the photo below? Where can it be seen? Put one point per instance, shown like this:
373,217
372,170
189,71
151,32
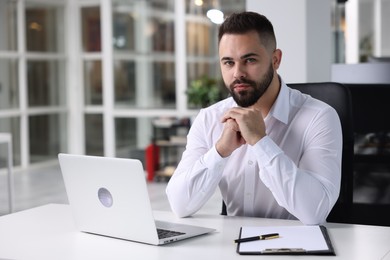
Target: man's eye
228,63
250,60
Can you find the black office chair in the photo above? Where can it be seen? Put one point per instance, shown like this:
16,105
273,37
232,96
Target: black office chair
371,109
338,96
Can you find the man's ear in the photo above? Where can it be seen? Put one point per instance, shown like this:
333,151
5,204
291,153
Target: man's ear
276,58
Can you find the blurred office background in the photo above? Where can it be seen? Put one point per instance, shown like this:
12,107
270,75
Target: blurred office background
105,77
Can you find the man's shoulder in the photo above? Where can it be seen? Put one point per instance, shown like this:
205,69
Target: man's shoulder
305,100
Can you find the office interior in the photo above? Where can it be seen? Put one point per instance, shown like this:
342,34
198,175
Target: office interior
112,78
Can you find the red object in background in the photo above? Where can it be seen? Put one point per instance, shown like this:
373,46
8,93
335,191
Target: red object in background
152,159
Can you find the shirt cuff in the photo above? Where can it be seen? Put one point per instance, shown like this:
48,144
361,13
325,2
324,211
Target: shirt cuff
266,150
213,160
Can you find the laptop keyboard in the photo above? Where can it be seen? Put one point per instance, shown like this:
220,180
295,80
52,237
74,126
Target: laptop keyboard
163,233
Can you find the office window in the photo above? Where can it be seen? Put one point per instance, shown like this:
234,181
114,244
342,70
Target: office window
162,32
143,42
45,86
202,38
125,78
202,60
44,28
126,138
123,30
47,135
8,19
93,87
46,83
144,58
91,29
11,125
141,27
9,91
160,75
94,134
164,84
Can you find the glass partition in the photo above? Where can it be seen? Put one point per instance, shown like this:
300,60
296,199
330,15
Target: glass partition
44,28
8,28
11,125
94,134
202,40
143,42
9,91
47,136
126,137
45,83
91,29
93,87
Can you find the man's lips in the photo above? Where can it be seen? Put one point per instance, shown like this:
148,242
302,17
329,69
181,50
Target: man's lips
240,87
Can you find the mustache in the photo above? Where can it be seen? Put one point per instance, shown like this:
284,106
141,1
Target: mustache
243,81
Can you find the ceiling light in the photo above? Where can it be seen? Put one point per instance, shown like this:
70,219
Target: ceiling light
216,16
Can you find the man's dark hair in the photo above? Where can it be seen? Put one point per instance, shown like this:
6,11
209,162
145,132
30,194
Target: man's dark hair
241,23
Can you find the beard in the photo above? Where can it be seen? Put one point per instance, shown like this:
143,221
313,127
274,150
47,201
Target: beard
256,89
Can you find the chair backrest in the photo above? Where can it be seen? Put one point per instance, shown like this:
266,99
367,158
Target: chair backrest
371,107
371,113
339,97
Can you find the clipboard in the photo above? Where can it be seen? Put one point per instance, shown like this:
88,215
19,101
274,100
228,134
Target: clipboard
293,240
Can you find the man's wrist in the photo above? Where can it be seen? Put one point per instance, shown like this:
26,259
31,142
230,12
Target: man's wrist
221,151
256,139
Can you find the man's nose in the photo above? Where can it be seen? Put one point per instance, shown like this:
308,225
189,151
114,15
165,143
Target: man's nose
239,72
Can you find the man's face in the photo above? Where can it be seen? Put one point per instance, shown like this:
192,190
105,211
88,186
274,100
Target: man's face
246,67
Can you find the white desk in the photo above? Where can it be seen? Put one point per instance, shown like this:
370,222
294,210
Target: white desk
48,232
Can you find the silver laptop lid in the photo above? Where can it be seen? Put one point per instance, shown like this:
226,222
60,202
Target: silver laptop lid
108,196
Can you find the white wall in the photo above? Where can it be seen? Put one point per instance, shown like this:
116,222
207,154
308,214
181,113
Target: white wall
303,32
384,28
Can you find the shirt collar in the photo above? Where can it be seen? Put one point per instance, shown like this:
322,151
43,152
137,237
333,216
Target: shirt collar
281,108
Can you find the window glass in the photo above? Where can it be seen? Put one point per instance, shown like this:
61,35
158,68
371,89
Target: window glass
200,7
157,89
9,91
143,33
125,89
126,137
196,69
164,84
94,135
44,28
202,41
123,30
93,93
133,135
201,38
10,125
162,34
137,27
8,19
46,83
47,136
91,29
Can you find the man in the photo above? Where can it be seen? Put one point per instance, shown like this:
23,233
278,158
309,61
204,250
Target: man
273,151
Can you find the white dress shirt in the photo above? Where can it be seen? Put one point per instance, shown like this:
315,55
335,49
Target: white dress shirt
293,173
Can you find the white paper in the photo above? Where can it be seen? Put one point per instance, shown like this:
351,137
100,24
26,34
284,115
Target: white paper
309,238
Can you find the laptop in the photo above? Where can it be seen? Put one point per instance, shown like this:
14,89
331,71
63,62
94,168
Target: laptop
109,197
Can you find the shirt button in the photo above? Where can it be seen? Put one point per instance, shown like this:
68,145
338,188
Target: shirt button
250,162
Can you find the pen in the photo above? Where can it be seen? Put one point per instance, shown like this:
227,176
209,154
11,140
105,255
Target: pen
261,237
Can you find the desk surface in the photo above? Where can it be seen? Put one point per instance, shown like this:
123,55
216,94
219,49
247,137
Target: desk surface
48,232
